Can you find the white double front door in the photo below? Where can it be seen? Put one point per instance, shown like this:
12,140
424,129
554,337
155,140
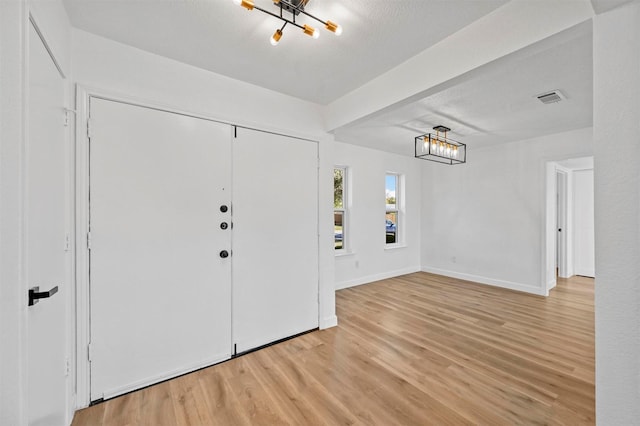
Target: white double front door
164,243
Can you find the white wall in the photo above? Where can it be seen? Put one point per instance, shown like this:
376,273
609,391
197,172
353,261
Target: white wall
368,259
485,220
52,21
109,65
616,37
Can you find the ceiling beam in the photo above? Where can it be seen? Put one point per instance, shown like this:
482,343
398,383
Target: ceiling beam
506,30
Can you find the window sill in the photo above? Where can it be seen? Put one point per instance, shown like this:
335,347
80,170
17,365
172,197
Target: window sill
395,246
342,253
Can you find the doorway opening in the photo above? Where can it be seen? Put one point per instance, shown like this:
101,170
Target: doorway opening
569,233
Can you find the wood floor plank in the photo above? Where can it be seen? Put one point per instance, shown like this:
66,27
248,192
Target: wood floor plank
418,349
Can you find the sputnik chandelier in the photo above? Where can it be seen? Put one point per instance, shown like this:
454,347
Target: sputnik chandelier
440,148
295,8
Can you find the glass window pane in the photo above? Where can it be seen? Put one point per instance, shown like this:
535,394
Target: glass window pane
338,188
391,187
338,229
391,227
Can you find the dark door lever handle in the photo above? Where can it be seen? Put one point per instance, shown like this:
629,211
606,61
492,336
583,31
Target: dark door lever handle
35,295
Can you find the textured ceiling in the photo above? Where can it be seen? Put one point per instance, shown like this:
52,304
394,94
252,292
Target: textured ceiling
222,37
601,6
499,104
493,104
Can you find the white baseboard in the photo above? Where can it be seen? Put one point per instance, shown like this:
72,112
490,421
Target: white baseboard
488,281
376,277
328,322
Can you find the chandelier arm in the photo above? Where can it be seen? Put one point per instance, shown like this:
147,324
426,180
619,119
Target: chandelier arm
301,10
313,17
277,16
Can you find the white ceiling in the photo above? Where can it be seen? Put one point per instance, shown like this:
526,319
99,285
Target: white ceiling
222,37
493,104
496,104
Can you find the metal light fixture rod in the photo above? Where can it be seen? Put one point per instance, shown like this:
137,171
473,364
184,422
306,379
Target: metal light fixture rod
294,9
440,148
279,17
331,26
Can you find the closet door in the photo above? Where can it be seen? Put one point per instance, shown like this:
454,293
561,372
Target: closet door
275,245
160,281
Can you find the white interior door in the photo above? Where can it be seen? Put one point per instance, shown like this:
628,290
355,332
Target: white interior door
45,225
561,224
275,245
160,290
584,223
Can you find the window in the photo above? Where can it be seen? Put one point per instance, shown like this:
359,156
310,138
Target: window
339,207
392,197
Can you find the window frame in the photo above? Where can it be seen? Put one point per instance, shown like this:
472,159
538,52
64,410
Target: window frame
344,210
397,209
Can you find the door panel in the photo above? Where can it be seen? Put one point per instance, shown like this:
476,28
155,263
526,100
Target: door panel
45,225
160,291
584,223
275,246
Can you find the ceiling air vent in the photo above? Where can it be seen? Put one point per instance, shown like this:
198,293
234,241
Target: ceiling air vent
551,97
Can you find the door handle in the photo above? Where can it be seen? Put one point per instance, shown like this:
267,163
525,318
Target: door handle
224,254
224,208
35,295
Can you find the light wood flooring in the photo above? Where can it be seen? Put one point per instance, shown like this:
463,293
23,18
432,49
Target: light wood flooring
419,349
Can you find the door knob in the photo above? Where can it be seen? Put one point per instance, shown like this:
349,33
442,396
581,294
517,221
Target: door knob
35,295
224,225
224,254
224,208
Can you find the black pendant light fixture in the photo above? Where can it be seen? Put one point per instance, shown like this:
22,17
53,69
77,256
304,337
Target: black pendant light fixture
288,10
440,148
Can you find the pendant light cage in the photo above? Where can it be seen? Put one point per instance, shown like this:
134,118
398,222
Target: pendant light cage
440,148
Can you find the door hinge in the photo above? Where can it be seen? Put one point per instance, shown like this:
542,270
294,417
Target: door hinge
89,352
89,128
66,115
67,366
89,240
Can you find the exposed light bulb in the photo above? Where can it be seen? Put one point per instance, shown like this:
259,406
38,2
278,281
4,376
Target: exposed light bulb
334,28
275,38
310,31
247,4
